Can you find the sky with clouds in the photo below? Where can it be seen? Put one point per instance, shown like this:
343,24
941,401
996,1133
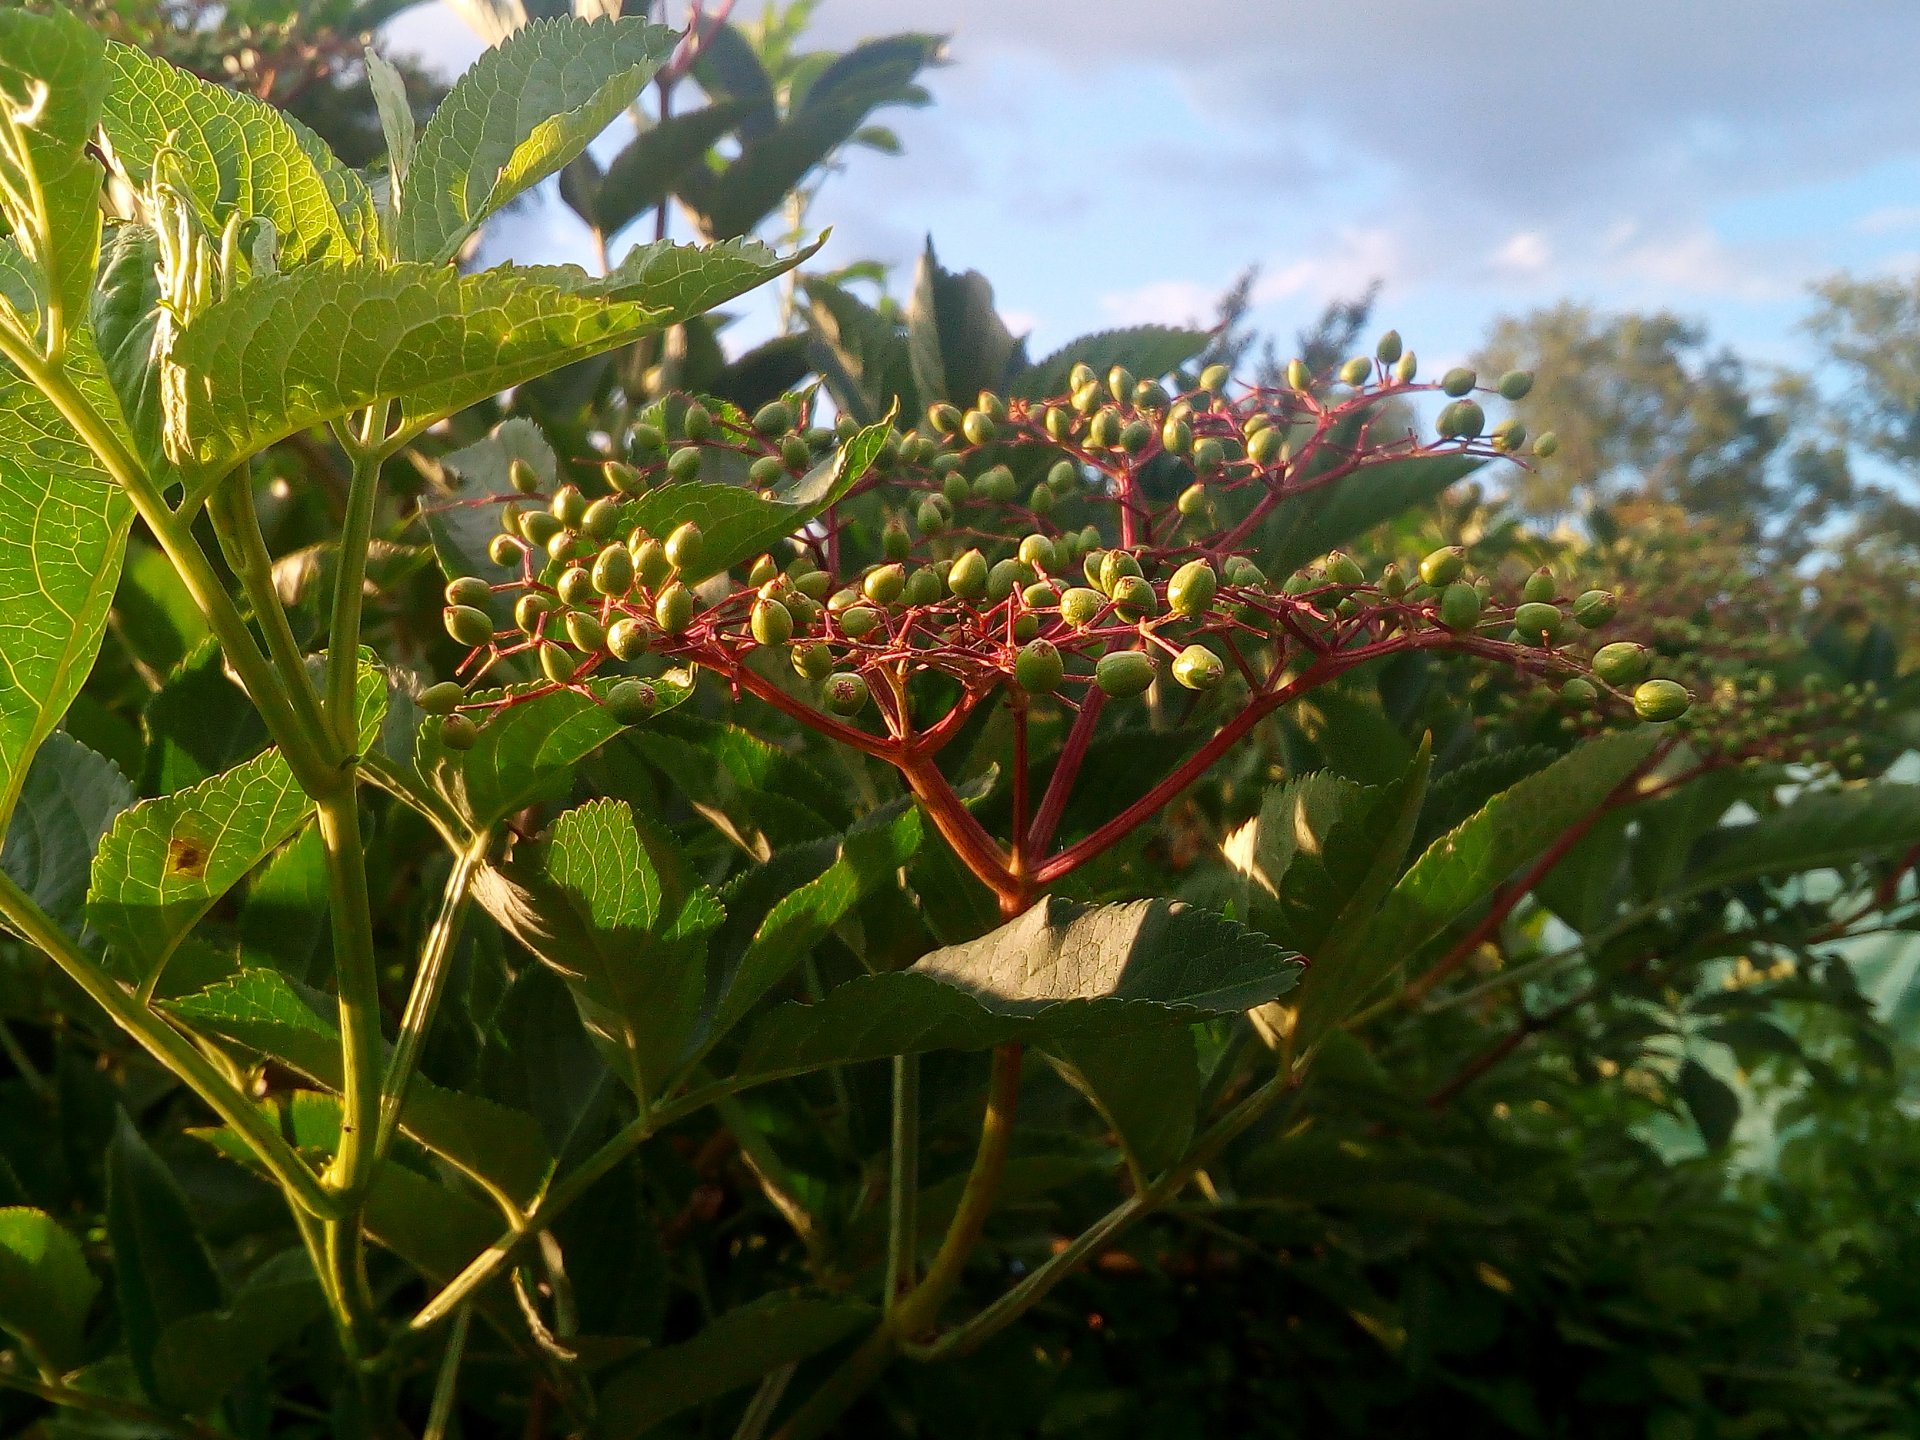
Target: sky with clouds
1111,161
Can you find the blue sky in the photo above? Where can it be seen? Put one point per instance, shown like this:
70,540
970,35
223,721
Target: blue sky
1120,161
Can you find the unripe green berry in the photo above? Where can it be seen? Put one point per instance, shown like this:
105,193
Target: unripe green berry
467,625
845,693
997,485
1026,625
1087,398
1039,551
771,622
539,528
523,477
773,417
585,631
458,732
1393,581
1357,371
1546,445
1209,456
1104,431
795,453
1040,498
895,542
1120,383
968,577
504,550
684,464
1388,349
1462,420
697,423
1176,437
1214,379
1194,501
569,506
1041,595
567,545
955,488
683,547
649,439
812,660
1457,381
1459,606
923,587
529,608
1406,368
767,470
1660,700
944,418
469,590
1038,669
884,583
859,621
1443,567
1595,608
979,428
1538,623
613,571
930,518
1244,573
1508,436
1133,597
1539,586
673,610
628,637
1113,565
1299,377
1149,395
1123,674
1198,668
575,587
441,699
1622,663
623,478
1058,423
1134,436
602,518
1191,590
764,570
632,701
1343,569
1081,375
1265,447
555,663
1080,606
650,563
1515,384
1007,576
1579,693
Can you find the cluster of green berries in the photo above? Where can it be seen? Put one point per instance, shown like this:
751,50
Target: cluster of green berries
1094,541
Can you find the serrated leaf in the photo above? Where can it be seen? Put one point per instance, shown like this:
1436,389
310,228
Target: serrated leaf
288,352
238,156
1463,867
1711,1101
868,366
1820,829
161,1268
1321,519
70,799
389,88
125,315
1060,970
45,1286
462,527
66,57
262,1010
526,108
200,1357
734,1351
591,908
1146,350
736,524
643,175
528,750
1145,1083
956,340
66,525
166,861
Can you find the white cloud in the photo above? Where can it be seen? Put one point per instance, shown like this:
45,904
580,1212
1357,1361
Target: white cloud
1161,302
1889,220
1526,253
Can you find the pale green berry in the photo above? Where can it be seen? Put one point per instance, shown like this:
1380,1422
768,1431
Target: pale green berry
468,625
1538,623
1388,349
1214,378
1444,566
845,693
628,637
441,699
1198,668
1038,669
585,632
457,732
1622,663
1457,381
1191,590
1459,606
1660,700
968,577
673,610
683,547
1080,606
1122,674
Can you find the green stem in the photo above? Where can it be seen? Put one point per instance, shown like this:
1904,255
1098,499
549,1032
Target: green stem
776,1179
446,1385
357,978
383,773
105,1405
903,1194
759,1412
428,983
171,1049
350,578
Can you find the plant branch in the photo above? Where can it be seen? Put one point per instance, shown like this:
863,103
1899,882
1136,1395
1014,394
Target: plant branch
903,1175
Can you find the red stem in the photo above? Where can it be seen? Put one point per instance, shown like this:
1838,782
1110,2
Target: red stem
1066,769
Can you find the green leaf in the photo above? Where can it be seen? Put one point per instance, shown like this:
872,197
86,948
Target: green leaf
70,799
527,751
1060,970
462,527
1321,519
1146,350
161,1268
262,1010
956,340
868,367
199,723
288,352
1462,867
734,1351
45,1286
389,88
1711,1101
68,58
66,526
737,524
591,907
125,316
1144,1082
1820,829
200,1357
643,175
238,157
773,163
166,861
526,108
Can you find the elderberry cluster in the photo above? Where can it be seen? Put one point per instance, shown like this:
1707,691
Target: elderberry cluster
1099,541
